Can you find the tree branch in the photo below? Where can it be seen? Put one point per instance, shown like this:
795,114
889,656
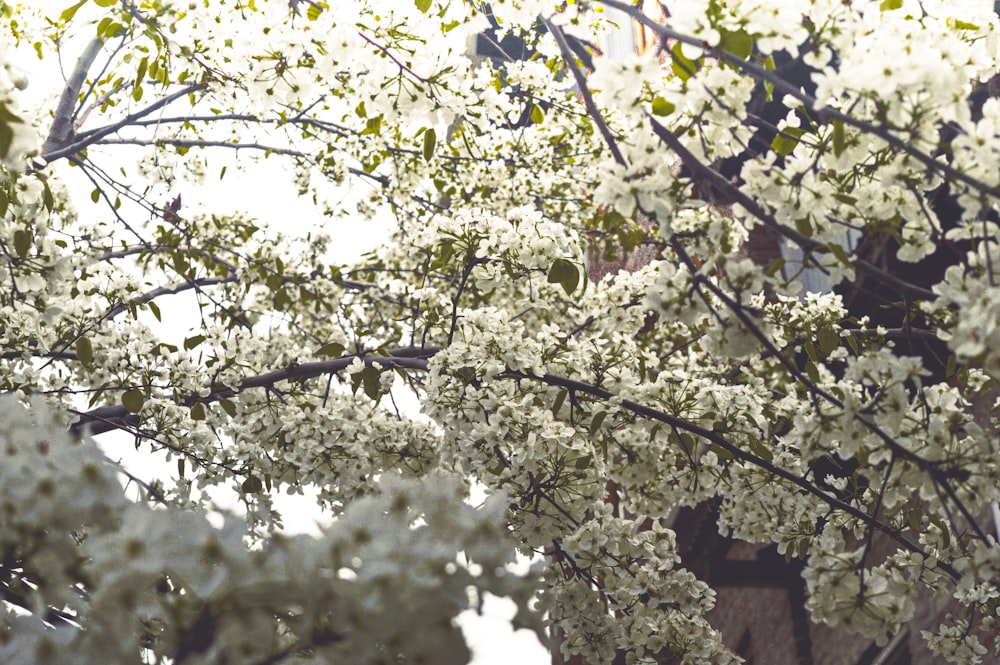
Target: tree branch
735,451
107,418
581,84
717,180
200,143
821,113
95,135
62,125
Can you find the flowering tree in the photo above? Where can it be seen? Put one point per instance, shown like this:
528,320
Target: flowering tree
822,423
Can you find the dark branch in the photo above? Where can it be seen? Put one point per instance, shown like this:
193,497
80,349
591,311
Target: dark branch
108,418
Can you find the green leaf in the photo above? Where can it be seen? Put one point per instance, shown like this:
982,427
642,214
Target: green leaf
22,242
768,86
48,200
423,5
889,5
560,398
829,340
430,142
133,400
281,299
786,140
180,467
839,252
952,366
961,25
737,42
198,411
760,449
722,453
853,343
251,485
597,421
229,406
566,274
95,195
70,12
113,30
105,3
84,350
372,386
193,341
839,142
803,226
372,126
812,371
331,350
682,66
537,114
141,72
315,9
155,309
811,350
662,107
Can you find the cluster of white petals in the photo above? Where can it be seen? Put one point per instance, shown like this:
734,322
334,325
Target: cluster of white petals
805,346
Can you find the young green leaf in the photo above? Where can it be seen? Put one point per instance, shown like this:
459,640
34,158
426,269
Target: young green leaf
84,351
193,341
597,421
70,12
133,400
560,398
662,107
315,10
829,340
736,42
229,406
566,274
331,350
682,66
786,140
22,242
838,251
839,142
430,142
